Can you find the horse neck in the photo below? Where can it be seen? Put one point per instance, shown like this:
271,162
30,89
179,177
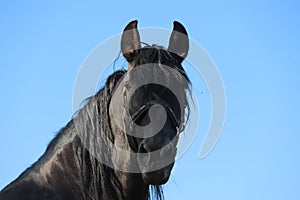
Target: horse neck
59,168
68,156
67,165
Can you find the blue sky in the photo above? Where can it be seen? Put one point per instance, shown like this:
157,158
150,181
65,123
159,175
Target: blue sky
255,45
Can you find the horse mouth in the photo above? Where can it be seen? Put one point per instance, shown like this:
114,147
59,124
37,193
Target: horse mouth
158,177
155,178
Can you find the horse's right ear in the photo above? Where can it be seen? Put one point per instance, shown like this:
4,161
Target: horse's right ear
130,42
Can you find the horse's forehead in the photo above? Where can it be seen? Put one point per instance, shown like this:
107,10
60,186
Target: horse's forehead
145,83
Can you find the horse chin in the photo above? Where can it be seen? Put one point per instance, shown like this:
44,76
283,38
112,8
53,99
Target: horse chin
158,177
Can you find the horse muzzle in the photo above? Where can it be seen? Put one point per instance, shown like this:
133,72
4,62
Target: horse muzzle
158,177
156,165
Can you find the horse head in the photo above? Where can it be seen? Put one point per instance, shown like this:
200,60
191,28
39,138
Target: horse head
155,100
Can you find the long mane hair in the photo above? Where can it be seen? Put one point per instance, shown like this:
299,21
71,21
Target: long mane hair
99,179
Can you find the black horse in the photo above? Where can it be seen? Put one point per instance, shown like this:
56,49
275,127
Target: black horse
71,170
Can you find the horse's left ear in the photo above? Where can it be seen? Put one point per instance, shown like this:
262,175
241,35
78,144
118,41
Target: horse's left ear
179,41
130,42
